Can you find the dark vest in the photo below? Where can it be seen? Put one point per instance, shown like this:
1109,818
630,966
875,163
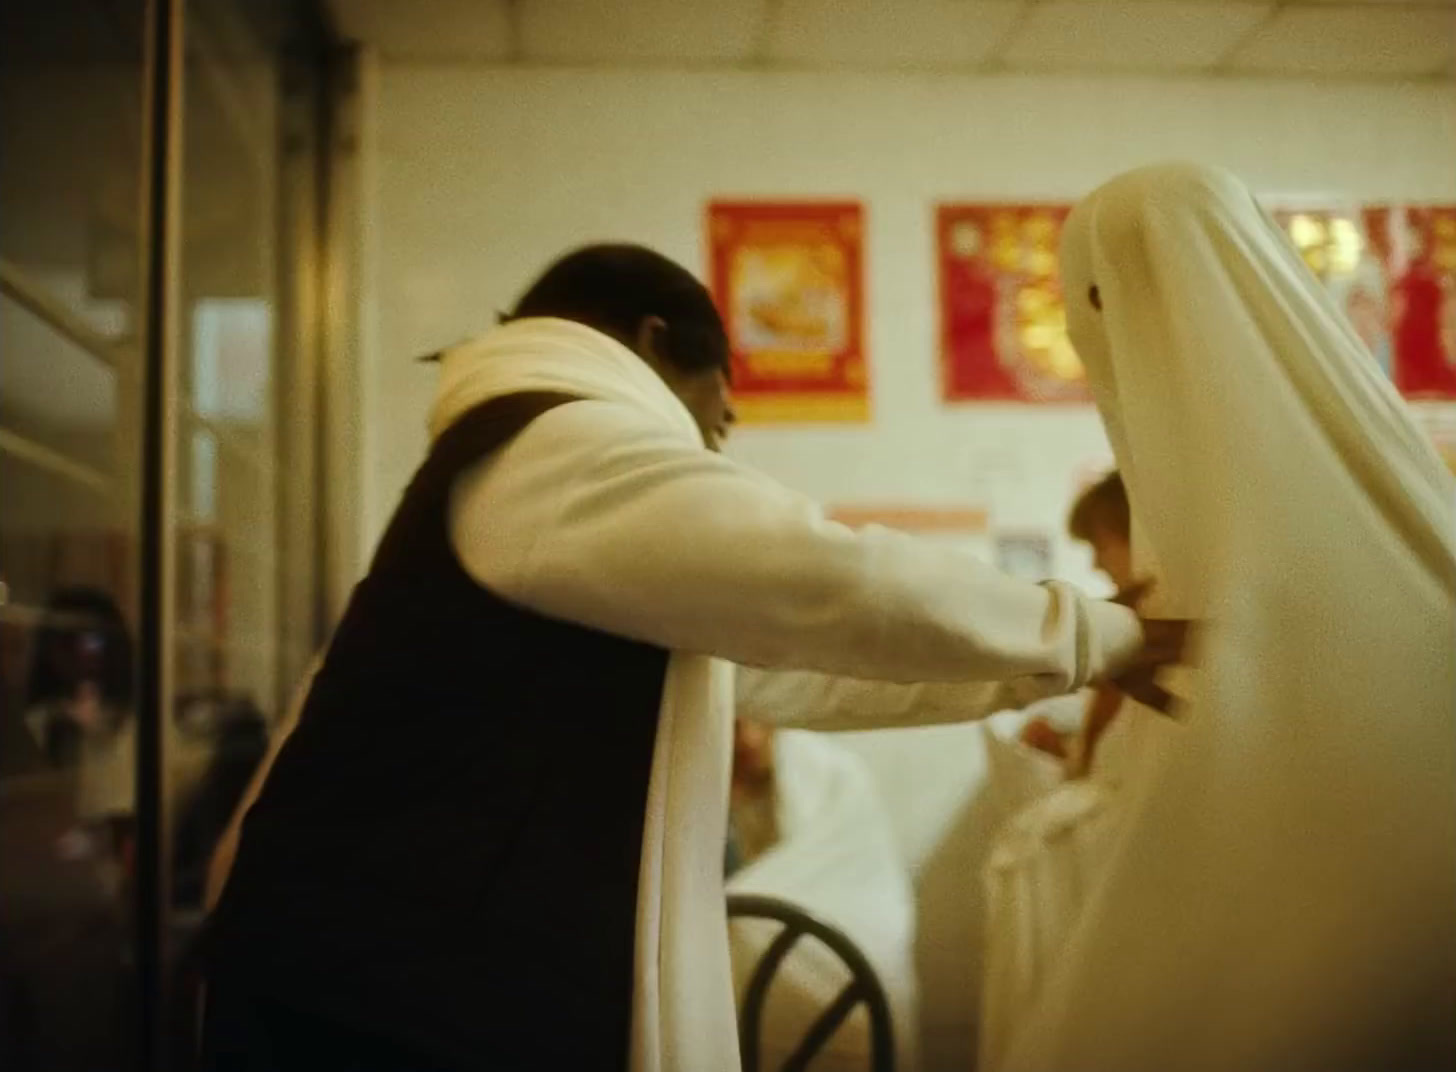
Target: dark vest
446,852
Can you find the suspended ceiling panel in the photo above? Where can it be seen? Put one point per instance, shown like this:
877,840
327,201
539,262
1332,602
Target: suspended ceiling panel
692,32
1383,39
1380,39
871,34
1131,34
476,30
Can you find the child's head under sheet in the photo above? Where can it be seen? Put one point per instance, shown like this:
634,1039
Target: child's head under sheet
1281,893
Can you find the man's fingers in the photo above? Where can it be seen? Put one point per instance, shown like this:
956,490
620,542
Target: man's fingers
1141,684
1150,694
1164,640
1133,594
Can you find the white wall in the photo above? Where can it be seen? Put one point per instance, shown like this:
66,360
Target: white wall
485,175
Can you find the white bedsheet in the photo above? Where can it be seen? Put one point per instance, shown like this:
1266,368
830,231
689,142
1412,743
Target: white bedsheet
837,859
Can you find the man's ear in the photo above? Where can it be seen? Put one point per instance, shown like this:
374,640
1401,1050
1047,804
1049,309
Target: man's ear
651,337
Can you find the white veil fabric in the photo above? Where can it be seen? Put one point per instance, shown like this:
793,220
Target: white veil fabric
1283,894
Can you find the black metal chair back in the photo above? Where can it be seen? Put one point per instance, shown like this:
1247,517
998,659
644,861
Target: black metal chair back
864,987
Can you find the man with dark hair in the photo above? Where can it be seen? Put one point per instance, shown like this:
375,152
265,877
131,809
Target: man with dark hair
494,838
632,294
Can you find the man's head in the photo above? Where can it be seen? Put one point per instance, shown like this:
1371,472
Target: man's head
1100,517
655,307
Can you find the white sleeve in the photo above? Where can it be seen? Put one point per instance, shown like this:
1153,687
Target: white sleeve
809,700
596,515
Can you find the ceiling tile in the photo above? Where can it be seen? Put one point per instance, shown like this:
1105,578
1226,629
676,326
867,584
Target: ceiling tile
652,31
429,29
1131,34
1351,41
886,34
1370,3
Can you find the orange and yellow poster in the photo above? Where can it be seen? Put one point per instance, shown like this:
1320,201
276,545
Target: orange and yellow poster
789,281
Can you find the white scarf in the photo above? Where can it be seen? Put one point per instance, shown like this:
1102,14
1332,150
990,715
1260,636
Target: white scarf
682,1019
561,356
1285,894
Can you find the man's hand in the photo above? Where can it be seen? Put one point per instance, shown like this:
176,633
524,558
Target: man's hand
1102,708
1134,593
1040,734
1164,643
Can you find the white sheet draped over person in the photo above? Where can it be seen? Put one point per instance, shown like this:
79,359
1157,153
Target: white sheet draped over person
835,857
1283,893
1044,862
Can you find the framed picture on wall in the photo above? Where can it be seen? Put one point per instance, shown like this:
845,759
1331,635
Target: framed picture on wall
1003,331
1392,269
1336,245
1416,246
788,278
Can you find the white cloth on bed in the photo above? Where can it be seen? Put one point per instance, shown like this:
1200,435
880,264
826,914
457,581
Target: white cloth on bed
836,858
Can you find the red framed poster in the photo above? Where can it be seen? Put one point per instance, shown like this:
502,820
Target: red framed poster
1417,246
1393,271
1338,246
789,281
1002,324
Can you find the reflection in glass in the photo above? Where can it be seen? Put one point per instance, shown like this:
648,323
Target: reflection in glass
242,132
70,162
71,156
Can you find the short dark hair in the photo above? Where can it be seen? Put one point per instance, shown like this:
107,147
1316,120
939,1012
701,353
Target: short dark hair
614,288
1101,508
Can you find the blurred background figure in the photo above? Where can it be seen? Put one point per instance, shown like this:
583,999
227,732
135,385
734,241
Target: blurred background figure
753,825
80,716
67,822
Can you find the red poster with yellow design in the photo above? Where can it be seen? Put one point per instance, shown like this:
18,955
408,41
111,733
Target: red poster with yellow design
1392,270
1417,246
788,279
1336,244
1003,327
